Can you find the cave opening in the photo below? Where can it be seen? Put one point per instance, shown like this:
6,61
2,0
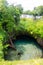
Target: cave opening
26,48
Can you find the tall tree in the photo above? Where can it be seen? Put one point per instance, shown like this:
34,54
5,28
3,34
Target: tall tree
9,16
39,10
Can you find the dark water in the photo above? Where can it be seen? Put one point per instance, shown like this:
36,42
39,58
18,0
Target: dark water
26,49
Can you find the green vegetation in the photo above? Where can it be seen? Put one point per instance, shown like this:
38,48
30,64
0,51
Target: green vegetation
9,19
38,11
33,26
11,25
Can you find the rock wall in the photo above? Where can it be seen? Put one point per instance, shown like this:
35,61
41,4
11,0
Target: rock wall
40,41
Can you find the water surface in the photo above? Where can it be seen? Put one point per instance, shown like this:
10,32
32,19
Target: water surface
26,49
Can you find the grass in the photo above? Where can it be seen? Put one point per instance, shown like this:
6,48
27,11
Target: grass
28,62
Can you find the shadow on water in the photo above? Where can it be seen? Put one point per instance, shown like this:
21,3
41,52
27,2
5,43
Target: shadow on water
27,48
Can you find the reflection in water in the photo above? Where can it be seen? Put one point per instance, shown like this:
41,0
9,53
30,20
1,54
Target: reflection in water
26,49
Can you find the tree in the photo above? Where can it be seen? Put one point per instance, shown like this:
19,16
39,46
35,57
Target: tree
34,13
39,10
18,12
10,16
27,12
7,19
2,35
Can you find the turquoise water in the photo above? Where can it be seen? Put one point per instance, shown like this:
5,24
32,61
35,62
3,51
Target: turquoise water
26,49
29,49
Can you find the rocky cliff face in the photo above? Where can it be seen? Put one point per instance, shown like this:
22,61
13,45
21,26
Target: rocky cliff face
40,41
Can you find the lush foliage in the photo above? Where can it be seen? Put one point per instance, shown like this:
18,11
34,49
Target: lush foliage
9,19
37,11
33,27
11,25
